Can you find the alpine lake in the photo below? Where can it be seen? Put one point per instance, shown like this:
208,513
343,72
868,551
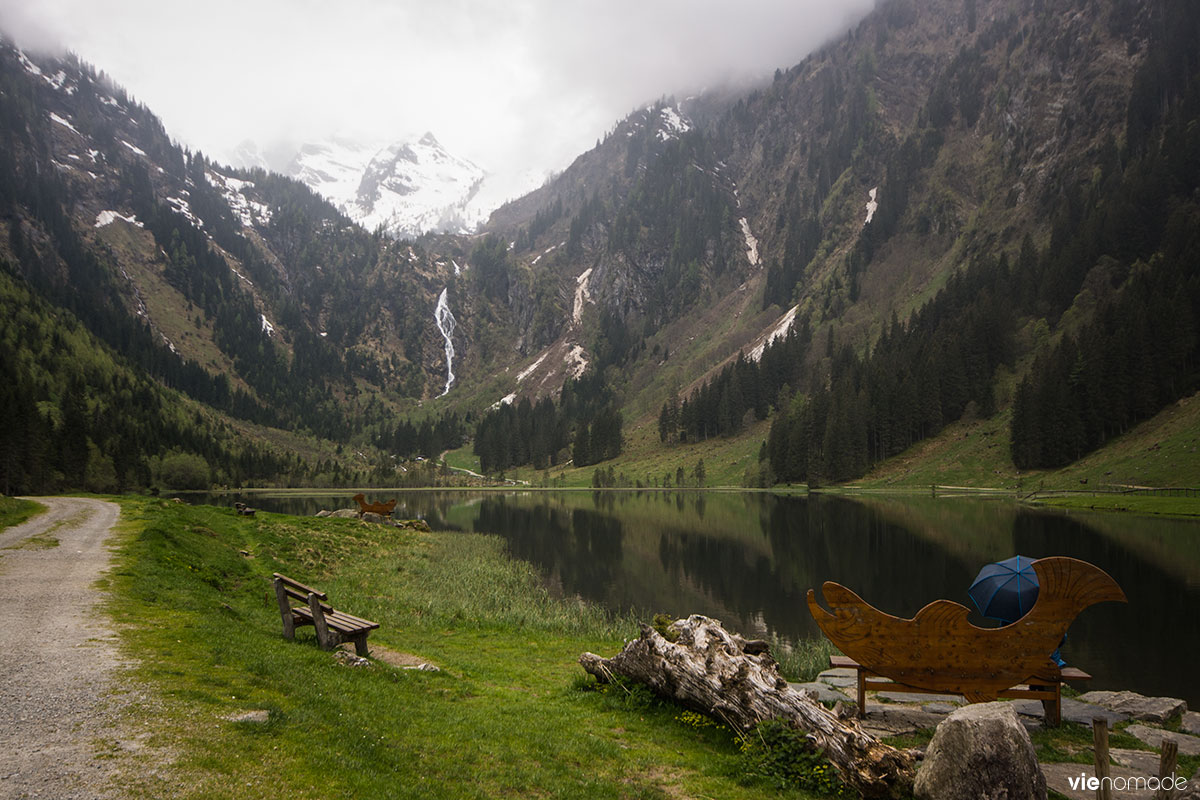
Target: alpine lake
749,559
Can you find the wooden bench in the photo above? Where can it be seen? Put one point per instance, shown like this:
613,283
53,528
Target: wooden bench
1049,693
333,627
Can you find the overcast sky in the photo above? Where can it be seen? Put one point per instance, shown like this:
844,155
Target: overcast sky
511,85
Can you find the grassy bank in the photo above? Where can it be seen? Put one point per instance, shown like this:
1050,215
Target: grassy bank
505,716
14,511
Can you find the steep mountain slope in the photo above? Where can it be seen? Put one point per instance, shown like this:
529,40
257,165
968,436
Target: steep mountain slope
243,290
914,194
959,208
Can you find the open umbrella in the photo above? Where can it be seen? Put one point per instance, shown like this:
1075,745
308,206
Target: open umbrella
1005,590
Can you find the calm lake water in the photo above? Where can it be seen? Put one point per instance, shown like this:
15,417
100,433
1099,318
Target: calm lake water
748,559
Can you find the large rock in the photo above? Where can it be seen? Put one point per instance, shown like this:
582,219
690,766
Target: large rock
344,513
1138,706
981,752
1190,722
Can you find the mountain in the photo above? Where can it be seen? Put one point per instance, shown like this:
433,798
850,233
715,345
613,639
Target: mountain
960,210
408,188
957,210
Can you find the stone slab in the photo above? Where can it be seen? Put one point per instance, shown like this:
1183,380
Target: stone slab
883,720
916,697
1072,711
939,708
823,691
1138,706
1190,722
1141,760
841,677
1058,777
1188,745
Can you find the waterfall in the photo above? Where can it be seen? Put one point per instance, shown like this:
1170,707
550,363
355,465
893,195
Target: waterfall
445,323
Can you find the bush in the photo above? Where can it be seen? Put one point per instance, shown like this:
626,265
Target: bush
782,755
184,471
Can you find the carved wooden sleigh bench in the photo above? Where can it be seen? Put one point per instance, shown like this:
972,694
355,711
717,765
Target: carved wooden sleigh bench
333,627
938,651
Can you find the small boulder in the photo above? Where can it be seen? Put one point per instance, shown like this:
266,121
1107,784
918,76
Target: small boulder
344,513
372,517
981,752
322,513
1190,722
1137,706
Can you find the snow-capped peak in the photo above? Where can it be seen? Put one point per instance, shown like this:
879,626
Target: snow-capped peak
409,187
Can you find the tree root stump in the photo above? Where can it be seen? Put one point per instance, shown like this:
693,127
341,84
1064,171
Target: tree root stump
737,681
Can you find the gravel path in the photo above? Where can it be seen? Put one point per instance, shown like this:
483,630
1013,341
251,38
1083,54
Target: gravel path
57,653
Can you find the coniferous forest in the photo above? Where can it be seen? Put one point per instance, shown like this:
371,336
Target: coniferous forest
1030,250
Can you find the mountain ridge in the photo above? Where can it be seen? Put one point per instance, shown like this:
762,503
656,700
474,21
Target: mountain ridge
827,251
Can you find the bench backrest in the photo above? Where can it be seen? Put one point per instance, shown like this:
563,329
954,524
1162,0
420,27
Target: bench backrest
941,651
298,591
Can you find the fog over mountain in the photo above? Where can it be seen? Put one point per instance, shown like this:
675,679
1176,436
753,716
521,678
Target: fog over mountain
518,88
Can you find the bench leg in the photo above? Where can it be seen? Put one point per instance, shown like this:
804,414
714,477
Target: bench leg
360,645
324,639
1053,708
862,694
285,610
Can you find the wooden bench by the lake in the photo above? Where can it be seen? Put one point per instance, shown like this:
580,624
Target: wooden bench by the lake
333,627
938,651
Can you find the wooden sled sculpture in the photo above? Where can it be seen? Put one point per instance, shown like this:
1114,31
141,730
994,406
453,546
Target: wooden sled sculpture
383,509
939,651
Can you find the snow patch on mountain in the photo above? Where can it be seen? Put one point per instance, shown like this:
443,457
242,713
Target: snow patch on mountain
181,206
267,327
235,193
673,124
525,373
65,123
109,217
582,295
576,362
751,242
872,205
780,329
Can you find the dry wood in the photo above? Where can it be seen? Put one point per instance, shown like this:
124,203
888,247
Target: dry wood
1100,744
1166,769
709,670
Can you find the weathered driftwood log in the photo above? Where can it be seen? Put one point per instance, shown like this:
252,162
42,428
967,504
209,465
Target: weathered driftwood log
721,674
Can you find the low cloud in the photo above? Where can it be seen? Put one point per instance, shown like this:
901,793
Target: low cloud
517,85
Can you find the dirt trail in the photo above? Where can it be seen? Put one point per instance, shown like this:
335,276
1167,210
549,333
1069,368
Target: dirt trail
57,652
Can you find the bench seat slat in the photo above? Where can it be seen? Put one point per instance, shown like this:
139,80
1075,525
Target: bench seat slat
338,620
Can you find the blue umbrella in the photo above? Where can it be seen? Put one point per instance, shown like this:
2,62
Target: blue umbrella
1005,590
